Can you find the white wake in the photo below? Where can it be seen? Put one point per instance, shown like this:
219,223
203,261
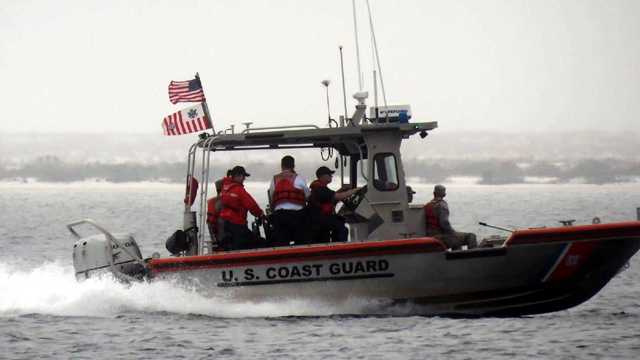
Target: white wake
52,289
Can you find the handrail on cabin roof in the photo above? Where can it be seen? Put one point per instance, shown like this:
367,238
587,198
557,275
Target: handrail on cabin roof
310,137
289,127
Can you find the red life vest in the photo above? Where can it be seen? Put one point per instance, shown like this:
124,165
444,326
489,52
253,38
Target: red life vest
285,190
432,221
232,204
326,208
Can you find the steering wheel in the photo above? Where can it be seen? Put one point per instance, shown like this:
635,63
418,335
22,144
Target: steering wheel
351,203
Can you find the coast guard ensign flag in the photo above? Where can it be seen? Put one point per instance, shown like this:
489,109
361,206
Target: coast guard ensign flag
185,121
186,91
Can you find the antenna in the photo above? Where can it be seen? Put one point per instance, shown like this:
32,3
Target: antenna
344,89
326,85
375,47
355,32
375,81
375,94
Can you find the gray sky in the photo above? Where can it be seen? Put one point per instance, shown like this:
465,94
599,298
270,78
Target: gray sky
78,66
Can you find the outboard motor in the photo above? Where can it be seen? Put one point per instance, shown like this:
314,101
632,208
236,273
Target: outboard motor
103,253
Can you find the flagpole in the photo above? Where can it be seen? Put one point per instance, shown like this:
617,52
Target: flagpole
205,107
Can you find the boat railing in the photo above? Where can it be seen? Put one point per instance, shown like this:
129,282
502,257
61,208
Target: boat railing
249,130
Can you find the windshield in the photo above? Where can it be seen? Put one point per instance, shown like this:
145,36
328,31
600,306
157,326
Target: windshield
385,172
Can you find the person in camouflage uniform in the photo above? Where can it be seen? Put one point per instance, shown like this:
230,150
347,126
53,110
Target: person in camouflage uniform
437,221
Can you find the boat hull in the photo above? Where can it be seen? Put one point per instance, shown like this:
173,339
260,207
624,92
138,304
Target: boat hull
536,271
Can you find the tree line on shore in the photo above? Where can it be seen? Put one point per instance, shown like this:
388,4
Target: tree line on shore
601,171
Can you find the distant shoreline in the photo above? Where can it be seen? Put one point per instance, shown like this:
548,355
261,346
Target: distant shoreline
413,182
51,169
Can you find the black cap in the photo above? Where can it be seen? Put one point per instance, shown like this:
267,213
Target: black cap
323,170
239,170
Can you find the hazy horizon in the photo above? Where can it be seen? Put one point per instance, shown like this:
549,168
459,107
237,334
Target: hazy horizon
464,144
78,66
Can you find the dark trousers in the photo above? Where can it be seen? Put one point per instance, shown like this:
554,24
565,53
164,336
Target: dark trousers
325,227
237,237
289,226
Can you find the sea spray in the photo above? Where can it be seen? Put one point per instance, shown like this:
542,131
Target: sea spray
51,289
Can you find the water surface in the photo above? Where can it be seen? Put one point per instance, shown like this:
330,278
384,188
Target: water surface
44,313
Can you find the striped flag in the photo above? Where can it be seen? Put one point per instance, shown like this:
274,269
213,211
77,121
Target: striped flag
185,121
186,91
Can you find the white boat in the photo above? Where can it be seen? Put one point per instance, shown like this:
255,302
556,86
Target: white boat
388,257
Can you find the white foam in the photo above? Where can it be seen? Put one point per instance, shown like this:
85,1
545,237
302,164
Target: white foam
52,289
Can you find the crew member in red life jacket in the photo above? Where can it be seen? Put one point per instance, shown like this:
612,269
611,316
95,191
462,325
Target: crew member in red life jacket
437,221
236,201
288,195
214,206
322,209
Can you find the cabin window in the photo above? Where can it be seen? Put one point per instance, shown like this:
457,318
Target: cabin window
385,172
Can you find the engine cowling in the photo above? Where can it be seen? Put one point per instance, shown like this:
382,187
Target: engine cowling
91,256
106,252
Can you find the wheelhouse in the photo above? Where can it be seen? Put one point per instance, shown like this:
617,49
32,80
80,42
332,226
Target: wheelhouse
368,156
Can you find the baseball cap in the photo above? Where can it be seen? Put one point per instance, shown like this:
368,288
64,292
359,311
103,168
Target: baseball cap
239,170
323,170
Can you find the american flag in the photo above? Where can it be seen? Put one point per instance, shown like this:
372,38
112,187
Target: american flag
185,121
186,91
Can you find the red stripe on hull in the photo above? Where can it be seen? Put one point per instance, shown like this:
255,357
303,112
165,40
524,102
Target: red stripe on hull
575,233
296,254
572,260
